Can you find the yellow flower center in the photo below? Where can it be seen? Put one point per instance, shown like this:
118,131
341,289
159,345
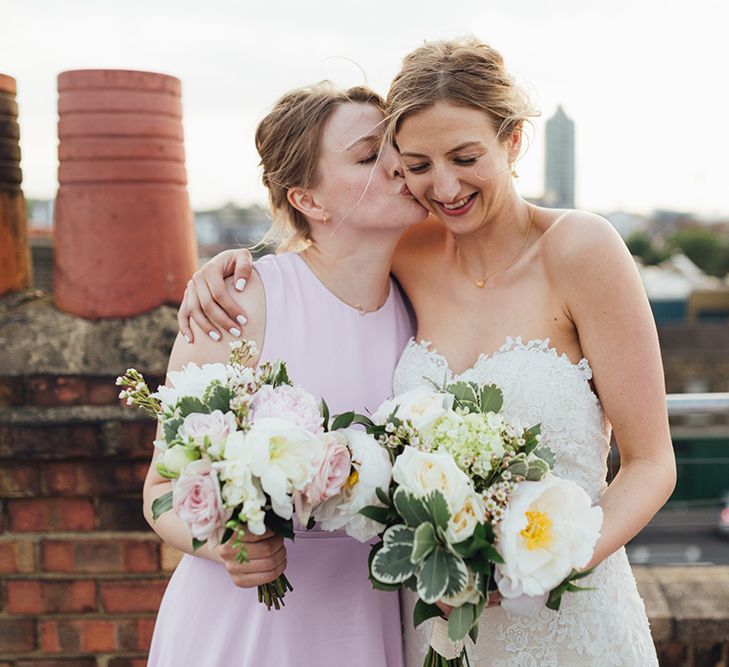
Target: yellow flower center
351,480
538,532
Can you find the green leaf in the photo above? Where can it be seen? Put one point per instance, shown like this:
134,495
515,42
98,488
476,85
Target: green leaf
519,466
546,454
217,397
196,544
424,542
555,597
161,505
433,576
343,421
392,564
411,508
163,472
383,496
438,509
465,395
492,398
283,527
457,575
461,621
423,612
325,414
379,514
363,420
537,470
530,438
187,405
170,428
280,374
473,633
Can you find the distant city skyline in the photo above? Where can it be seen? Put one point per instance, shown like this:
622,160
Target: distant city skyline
636,98
559,163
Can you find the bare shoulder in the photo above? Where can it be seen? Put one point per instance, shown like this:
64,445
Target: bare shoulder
418,245
578,245
205,350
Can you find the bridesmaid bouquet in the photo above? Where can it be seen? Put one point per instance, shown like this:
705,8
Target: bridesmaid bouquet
244,448
473,508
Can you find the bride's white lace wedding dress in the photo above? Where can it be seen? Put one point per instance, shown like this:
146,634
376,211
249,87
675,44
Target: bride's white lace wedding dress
601,627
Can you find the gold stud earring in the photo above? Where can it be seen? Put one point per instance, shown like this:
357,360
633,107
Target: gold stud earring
514,173
325,218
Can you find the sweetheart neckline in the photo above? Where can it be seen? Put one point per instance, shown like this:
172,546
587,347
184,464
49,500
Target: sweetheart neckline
510,344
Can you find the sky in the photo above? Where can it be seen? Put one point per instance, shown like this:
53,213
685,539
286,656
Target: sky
644,80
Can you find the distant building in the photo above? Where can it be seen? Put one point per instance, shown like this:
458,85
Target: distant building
627,223
559,172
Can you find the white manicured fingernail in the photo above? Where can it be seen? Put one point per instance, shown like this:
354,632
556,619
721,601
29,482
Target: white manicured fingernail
241,320
235,332
240,284
187,340
215,335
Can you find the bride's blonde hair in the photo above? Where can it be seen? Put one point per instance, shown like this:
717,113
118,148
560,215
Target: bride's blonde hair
464,72
288,141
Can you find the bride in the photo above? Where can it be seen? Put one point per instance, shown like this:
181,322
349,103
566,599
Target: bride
546,303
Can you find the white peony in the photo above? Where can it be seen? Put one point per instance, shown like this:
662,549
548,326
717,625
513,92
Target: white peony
423,472
372,470
422,406
284,457
192,380
550,527
464,520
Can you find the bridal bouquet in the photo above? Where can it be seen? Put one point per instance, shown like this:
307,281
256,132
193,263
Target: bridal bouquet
473,508
245,448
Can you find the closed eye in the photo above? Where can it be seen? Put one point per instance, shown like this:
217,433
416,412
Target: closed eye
465,160
370,158
418,168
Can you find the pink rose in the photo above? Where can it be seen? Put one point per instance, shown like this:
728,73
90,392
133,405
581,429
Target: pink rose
196,500
290,403
216,427
328,480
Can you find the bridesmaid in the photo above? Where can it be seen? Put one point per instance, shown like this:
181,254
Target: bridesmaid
334,314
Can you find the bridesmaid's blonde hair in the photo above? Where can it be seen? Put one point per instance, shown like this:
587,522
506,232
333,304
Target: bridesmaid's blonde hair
464,72
288,141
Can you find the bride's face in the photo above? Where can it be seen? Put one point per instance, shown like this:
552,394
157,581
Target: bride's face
360,183
455,165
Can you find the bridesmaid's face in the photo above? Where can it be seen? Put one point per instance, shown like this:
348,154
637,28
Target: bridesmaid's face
454,164
360,182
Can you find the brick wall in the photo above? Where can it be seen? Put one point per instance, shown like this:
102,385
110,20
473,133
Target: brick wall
82,574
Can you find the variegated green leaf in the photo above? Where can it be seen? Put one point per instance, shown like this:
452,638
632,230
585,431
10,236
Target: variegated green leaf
411,508
537,470
492,398
433,576
457,575
546,454
424,542
392,564
438,509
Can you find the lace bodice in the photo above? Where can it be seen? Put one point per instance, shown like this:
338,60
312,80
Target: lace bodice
605,626
540,386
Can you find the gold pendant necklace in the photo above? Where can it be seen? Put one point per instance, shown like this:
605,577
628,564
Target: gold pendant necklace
481,282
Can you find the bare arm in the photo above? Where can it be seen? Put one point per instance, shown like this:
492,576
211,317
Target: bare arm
605,299
267,554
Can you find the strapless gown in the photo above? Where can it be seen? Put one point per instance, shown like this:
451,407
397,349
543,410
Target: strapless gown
603,627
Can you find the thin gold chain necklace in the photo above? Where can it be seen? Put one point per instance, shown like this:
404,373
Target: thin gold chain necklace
481,282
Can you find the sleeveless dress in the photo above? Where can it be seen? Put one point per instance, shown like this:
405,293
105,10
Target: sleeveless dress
603,627
333,616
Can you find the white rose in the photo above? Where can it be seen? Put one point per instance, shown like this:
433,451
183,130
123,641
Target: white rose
175,459
464,520
550,527
216,427
423,472
422,406
284,457
192,380
373,469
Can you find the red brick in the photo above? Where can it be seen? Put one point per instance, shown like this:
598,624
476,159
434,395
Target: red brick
57,556
127,662
18,480
17,556
12,391
101,391
130,438
17,635
79,635
121,514
58,662
141,556
46,514
49,441
37,597
91,479
55,390
136,635
136,596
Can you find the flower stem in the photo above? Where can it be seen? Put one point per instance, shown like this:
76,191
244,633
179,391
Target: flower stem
272,594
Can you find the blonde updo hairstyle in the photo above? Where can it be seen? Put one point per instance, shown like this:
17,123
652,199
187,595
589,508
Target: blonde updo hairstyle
463,72
288,141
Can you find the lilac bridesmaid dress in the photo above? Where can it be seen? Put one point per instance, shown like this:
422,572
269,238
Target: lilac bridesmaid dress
333,617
